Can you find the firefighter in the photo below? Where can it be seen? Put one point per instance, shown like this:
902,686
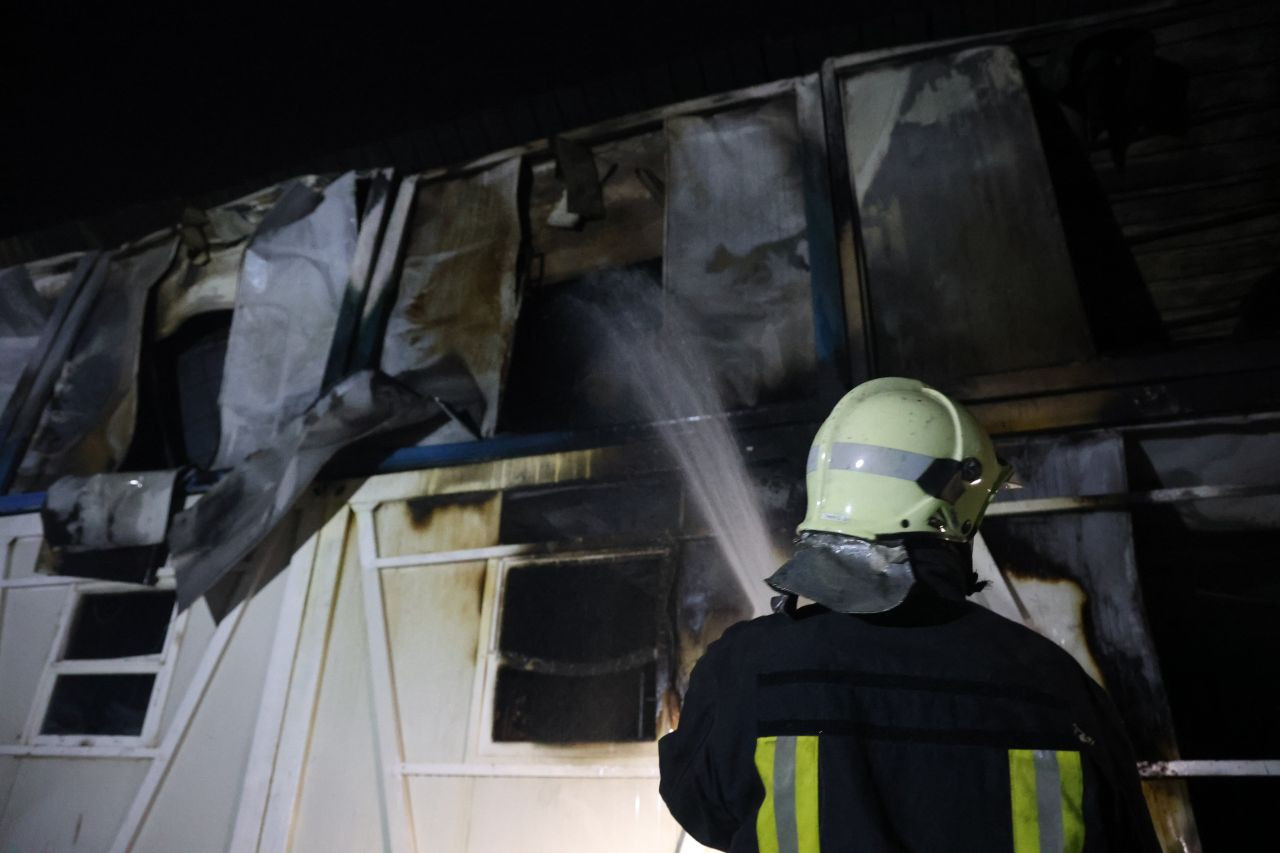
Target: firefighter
878,710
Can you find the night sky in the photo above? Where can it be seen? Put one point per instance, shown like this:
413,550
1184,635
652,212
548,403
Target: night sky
112,108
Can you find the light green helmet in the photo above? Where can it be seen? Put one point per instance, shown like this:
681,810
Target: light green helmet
896,457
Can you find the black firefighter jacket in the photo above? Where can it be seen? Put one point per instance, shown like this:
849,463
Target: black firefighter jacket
937,727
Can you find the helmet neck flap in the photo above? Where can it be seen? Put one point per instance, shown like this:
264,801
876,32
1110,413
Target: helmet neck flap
851,575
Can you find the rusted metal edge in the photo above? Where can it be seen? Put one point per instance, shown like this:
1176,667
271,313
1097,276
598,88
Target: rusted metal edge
1124,500
1203,769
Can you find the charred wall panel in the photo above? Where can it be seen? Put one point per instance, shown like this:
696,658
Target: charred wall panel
966,263
737,258
451,326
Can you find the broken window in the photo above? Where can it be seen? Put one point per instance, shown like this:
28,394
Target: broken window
112,653
580,649
190,369
569,367
640,281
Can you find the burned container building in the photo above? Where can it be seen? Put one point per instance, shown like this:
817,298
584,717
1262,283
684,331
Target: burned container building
390,507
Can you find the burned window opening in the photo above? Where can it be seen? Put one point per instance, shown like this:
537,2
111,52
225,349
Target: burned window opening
581,646
113,704
566,371
1213,603
111,656
119,625
190,364
614,707
154,445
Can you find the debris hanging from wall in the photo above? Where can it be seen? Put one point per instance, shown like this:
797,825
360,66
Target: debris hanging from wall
110,526
88,423
292,280
226,524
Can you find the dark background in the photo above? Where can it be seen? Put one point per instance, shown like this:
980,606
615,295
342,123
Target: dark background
122,117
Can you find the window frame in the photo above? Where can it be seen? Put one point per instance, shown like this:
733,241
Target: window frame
490,658
160,664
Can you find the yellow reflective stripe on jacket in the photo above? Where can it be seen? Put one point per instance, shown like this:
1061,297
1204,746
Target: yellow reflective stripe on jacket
1046,791
787,821
766,834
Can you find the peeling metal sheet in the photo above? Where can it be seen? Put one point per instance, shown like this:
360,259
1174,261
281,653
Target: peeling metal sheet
375,191
206,272
109,526
88,423
737,261
292,281
212,538
967,265
456,307
23,312
380,295
108,510
79,280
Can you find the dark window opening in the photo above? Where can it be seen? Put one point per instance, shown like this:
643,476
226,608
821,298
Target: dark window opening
566,372
98,705
645,509
1213,603
119,625
580,649
131,564
190,364
531,706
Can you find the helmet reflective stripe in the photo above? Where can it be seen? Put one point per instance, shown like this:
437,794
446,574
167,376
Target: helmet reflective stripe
870,459
941,477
